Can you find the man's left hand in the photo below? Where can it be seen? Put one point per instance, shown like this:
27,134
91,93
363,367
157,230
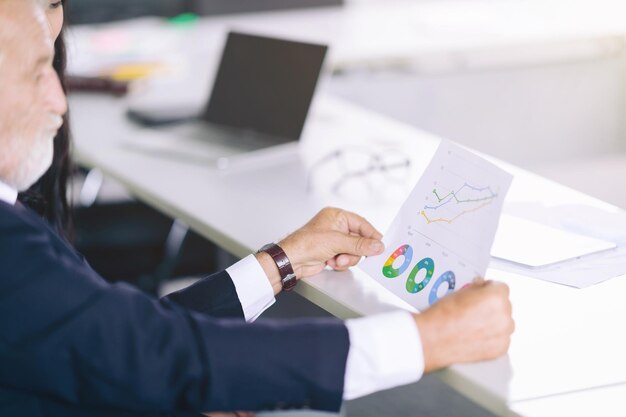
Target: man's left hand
334,237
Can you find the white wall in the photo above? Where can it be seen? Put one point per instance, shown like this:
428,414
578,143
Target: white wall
532,116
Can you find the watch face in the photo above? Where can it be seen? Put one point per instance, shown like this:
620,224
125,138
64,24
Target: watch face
289,282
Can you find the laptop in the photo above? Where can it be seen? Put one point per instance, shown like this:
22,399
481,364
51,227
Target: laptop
260,99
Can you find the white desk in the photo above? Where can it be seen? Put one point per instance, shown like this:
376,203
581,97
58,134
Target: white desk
567,340
605,402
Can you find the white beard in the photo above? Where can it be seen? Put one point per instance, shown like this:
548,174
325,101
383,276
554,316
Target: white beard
37,162
33,158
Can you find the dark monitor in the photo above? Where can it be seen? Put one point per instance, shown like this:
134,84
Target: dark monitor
94,11
211,7
265,85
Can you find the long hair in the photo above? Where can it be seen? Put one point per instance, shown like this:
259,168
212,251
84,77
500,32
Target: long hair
49,195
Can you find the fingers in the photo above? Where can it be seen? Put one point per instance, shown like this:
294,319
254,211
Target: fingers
497,297
495,293
356,245
343,262
498,287
501,286
357,224
346,261
479,281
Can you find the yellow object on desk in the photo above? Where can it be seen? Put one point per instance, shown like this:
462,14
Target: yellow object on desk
131,72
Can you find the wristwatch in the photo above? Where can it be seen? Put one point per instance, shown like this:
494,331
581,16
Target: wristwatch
287,276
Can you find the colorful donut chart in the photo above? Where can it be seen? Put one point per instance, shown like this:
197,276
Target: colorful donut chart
445,277
429,265
389,271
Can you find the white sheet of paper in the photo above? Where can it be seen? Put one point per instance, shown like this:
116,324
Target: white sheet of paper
607,224
441,238
535,245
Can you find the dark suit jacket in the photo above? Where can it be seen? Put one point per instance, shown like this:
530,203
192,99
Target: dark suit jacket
73,345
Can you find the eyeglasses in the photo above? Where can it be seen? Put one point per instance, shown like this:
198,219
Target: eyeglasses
342,168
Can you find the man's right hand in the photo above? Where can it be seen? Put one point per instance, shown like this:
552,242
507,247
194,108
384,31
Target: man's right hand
470,325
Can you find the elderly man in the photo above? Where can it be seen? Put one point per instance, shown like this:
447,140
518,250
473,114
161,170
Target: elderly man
73,345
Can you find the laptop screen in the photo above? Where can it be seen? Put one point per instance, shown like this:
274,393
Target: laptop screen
265,85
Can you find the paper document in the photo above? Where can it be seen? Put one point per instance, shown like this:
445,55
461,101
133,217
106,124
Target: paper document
442,236
604,226
536,245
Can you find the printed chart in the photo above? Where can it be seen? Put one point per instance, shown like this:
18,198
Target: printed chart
441,238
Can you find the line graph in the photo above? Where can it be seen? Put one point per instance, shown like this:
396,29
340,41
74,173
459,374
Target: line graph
441,238
453,196
457,203
464,212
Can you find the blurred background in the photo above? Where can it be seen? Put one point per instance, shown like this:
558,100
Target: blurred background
95,11
537,83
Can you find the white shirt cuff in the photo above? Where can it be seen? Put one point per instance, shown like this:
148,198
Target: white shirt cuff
8,194
385,352
253,288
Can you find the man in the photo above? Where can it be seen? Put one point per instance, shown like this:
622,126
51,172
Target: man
73,345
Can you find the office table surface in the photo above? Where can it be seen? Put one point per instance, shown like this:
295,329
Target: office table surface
566,339
426,37
606,402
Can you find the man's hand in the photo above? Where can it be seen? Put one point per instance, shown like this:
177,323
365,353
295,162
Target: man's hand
333,237
470,325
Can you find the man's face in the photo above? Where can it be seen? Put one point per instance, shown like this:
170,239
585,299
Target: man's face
31,99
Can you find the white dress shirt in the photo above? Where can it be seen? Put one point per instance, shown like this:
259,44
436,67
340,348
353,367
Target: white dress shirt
385,350
7,194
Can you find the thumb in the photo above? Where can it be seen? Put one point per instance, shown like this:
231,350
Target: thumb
479,282
357,245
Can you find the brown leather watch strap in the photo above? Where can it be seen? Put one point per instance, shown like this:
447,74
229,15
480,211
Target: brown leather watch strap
287,276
